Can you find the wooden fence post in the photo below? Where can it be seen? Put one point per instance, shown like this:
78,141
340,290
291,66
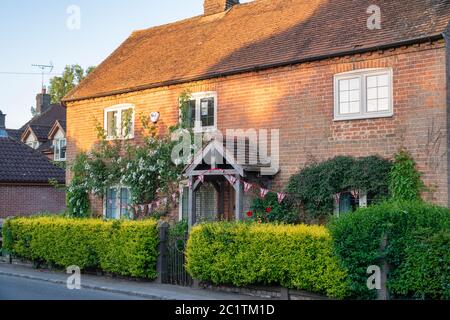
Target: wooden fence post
161,265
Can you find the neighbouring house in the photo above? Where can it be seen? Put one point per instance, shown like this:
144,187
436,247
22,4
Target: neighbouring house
324,73
25,176
46,131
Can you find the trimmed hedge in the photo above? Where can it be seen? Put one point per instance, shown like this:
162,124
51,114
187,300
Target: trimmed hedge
240,254
126,248
418,261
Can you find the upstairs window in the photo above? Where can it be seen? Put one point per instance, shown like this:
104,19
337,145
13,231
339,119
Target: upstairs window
363,94
119,122
202,111
60,149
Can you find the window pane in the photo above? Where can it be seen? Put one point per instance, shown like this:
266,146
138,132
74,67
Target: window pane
62,150
383,105
207,112
371,82
383,92
185,204
354,107
111,123
191,114
344,96
344,108
343,85
354,83
111,204
383,81
372,105
125,201
354,95
372,93
127,122
57,149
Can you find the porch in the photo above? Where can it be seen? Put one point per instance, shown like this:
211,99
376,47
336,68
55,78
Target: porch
216,181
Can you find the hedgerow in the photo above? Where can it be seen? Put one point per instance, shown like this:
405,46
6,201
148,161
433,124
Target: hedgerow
124,248
418,262
241,254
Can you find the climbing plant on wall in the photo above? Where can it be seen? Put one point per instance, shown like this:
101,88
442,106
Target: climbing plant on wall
313,189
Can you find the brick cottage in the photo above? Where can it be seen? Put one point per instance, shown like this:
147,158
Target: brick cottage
317,70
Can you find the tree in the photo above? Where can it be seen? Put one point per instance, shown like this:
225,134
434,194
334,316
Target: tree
71,77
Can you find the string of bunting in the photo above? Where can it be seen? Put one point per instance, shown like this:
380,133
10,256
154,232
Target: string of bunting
281,196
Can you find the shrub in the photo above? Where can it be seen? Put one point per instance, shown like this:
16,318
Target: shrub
358,236
269,210
242,254
123,248
314,187
404,180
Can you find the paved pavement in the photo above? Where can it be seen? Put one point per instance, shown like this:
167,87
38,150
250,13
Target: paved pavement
24,282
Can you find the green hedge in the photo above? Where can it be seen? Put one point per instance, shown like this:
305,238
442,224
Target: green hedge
124,248
240,254
418,261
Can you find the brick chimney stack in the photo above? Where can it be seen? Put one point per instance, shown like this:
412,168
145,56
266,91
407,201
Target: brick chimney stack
217,6
43,102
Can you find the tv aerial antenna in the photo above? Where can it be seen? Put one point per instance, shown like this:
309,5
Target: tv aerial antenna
43,68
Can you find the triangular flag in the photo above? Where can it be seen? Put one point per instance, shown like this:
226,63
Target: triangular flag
281,197
232,180
174,197
201,178
247,186
264,192
355,193
190,184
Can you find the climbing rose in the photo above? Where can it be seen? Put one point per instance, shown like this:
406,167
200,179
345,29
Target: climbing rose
269,210
249,214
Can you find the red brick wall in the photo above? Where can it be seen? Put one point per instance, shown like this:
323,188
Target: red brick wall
298,100
28,200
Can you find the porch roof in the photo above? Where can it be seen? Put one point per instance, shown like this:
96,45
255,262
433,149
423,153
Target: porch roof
230,156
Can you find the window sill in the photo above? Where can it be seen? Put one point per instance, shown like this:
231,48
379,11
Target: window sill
118,138
363,117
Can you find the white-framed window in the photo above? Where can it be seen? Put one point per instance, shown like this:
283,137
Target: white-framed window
349,201
202,111
116,203
119,122
361,94
60,149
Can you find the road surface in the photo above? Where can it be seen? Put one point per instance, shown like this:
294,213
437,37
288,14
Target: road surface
15,288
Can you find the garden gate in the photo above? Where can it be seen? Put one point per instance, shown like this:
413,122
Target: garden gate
172,268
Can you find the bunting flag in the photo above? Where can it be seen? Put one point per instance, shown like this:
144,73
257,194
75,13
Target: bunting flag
201,178
264,192
190,184
247,187
281,196
355,193
174,197
232,180
337,197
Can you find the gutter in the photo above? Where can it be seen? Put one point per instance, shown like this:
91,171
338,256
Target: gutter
258,68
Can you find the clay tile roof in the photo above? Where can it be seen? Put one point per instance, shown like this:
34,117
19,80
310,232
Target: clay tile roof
48,118
257,35
21,164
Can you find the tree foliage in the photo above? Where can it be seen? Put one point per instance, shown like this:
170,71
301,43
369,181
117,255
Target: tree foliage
71,77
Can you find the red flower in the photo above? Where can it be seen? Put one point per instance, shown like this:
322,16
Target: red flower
269,210
249,214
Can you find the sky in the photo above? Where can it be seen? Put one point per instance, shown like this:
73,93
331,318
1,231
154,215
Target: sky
47,32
